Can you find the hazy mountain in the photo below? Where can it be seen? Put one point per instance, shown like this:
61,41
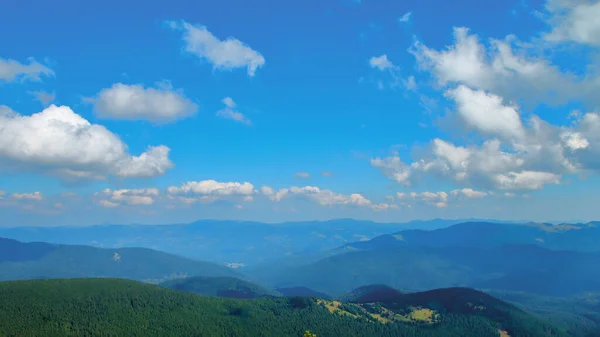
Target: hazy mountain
85,307
228,287
510,267
224,241
584,237
301,292
42,260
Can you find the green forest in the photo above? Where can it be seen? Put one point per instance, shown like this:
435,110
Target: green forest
115,307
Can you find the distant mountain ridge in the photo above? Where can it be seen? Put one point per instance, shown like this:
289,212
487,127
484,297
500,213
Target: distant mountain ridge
580,237
36,260
214,240
528,268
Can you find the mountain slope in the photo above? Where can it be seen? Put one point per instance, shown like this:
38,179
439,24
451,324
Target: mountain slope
42,260
89,307
228,287
301,292
578,237
510,267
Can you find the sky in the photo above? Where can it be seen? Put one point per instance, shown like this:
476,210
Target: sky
168,112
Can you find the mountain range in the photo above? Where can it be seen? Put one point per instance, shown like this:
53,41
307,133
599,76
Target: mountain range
236,242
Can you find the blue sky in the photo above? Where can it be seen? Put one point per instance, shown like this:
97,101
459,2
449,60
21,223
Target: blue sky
385,110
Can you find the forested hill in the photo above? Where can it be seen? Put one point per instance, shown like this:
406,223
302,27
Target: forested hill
93,307
229,287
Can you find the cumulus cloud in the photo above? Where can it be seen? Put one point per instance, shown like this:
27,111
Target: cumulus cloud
469,193
210,191
131,197
521,155
505,68
12,70
227,54
437,199
327,174
60,142
441,199
108,204
36,196
134,102
573,21
484,166
320,196
230,112
486,113
381,62
384,207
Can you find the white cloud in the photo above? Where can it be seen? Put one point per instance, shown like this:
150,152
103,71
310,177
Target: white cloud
441,199
131,197
405,18
210,191
320,196
225,54
44,97
37,196
58,141
12,70
271,194
383,207
108,204
437,199
574,20
393,168
302,175
230,112
486,113
381,62
507,68
134,102
410,83
469,193
525,180
486,166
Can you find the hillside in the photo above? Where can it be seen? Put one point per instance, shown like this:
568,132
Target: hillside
301,292
510,267
90,307
228,287
579,315
42,260
371,293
